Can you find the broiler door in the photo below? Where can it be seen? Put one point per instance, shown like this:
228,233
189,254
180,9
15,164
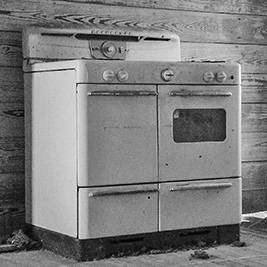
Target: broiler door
117,134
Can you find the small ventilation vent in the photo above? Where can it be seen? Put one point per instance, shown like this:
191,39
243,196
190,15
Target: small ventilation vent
118,37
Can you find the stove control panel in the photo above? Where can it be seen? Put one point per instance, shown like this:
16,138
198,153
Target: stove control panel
160,73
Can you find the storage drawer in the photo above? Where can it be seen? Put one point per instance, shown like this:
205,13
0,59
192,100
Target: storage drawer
199,204
115,211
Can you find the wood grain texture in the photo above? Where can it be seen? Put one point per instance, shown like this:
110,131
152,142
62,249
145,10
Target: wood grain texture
254,146
253,59
190,26
10,49
11,155
11,119
11,190
213,6
254,118
11,85
254,200
254,175
254,88
12,207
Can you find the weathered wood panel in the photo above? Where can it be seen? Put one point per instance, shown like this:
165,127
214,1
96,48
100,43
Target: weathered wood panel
12,190
11,155
191,26
11,85
11,119
10,49
254,88
254,146
12,207
252,58
254,175
216,6
254,200
254,118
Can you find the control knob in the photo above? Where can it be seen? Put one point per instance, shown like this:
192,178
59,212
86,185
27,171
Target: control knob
109,49
122,75
208,77
167,75
221,76
108,75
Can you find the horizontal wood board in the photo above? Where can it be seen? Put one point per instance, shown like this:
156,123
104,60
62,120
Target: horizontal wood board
190,26
256,7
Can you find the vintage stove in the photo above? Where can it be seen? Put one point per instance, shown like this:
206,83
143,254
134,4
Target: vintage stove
127,147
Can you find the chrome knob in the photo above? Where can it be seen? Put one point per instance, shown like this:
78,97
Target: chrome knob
122,75
221,76
167,75
109,49
208,77
108,75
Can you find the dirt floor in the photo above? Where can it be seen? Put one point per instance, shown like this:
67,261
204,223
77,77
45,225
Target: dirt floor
251,251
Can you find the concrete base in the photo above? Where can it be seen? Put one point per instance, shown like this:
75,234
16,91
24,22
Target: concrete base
92,249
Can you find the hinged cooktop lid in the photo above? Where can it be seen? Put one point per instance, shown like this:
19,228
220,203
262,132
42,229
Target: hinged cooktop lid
98,43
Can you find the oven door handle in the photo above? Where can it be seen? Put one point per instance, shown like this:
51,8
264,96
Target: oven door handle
115,192
201,186
185,93
122,93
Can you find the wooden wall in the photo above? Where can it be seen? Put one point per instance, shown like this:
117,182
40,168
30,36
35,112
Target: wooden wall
228,30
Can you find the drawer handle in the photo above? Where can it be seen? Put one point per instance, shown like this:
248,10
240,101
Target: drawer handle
114,192
185,93
201,186
122,93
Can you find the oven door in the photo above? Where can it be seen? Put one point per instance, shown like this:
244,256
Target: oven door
199,132
117,134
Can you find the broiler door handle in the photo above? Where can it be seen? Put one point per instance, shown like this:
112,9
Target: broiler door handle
201,186
114,192
122,93
186,93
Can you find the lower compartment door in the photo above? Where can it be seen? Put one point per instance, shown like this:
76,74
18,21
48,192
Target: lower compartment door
199,204
115,211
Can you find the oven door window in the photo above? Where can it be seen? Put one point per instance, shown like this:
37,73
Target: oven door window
199,125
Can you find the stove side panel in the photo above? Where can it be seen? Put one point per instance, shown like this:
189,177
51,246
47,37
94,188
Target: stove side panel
50,122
